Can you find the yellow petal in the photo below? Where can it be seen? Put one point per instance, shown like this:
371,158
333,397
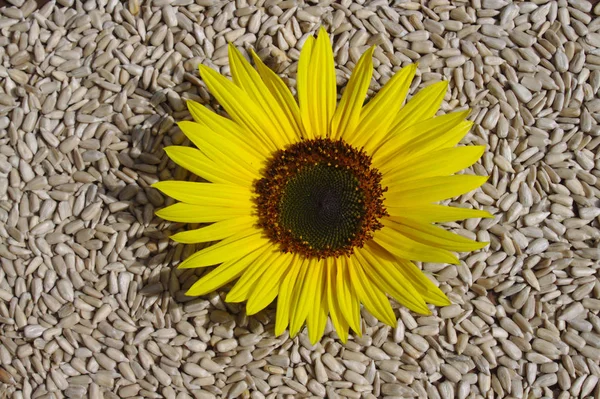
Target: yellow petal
192,213
446,140
199,164
242,109
389,280
432,213
241,290
404,248
302,84
216,231
415,139
428,290
347,113
426,143
378,115
317,111
317,314
236,246
249,80
431,189
406,270
286,293
265,291
222,195
348,300
222,150
333,297
304,293
370,295
282,95
421,106
437,163
432,235
224,274
228,129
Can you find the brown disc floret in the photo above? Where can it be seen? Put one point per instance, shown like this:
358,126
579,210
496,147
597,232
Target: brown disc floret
320,198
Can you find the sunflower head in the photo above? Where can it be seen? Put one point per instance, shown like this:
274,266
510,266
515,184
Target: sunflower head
322,204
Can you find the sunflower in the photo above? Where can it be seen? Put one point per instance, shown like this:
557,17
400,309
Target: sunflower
322,205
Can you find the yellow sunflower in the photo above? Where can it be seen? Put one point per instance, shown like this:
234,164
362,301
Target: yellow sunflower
321,205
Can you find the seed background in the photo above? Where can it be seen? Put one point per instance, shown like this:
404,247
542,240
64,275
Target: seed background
91,304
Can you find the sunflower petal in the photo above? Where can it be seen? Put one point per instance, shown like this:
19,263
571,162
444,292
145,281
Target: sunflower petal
428,290
432,189
225,273
347,114
370,295
317,111
221,195
317,315
404,248
437,163
197,163
241,290
231,248
432,235
286,294
402,143
377,116
282,95
228,129
406,270
221,149
192,213
265,291
422,106
432,213
448,139
302,84
393,283
304,295
348,300
427,143
246,77
242,108
333,297
216,231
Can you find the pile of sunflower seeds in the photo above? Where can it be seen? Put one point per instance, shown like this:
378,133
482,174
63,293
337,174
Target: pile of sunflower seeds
91,304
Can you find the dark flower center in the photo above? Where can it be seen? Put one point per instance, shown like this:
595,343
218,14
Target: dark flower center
320,198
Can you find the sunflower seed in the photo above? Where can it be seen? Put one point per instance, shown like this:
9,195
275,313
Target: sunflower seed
521,68
572,311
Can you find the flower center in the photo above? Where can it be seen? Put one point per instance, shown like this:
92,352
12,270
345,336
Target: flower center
320,198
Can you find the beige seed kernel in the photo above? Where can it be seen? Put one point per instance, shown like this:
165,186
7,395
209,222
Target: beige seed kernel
91,300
